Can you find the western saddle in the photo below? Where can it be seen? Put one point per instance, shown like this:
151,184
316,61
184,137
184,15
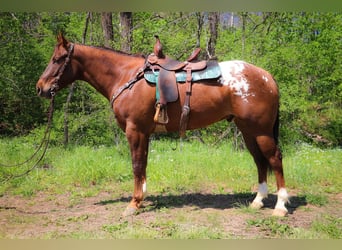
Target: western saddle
167,83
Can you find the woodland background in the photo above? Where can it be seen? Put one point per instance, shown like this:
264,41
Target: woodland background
302,50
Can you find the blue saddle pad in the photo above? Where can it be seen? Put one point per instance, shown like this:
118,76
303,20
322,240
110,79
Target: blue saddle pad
212,71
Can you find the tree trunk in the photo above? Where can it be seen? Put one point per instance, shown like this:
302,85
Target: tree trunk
71,90
243,35
126,27
213,25
107,27
200,21
231,23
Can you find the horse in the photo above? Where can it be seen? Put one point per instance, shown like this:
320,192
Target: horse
244,93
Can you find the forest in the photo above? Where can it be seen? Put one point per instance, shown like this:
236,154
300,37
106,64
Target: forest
302,50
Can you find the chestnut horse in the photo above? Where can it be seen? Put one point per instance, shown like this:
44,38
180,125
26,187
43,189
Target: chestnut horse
244,93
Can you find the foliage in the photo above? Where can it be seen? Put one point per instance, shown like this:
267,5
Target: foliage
301,50
20,64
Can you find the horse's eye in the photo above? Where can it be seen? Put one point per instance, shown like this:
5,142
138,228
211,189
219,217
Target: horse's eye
55,60
58,59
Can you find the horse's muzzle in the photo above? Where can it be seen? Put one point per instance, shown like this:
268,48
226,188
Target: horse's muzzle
39,91
47,94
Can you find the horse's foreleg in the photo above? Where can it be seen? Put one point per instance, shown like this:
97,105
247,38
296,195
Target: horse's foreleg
262,194
139,149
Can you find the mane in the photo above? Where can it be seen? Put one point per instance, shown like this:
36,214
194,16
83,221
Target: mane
116,51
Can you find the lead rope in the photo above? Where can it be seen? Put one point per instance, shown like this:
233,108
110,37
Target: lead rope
44,144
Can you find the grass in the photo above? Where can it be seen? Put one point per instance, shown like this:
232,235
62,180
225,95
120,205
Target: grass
192,168
316,169
326,227
193,174
272,226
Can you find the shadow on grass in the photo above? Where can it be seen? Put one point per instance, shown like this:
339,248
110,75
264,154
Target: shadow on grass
216,201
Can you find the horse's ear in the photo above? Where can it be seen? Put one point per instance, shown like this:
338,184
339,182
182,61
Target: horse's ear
61,39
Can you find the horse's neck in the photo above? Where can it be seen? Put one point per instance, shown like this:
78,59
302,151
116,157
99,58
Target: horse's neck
103,69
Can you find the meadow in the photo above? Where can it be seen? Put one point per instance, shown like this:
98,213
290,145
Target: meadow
195,190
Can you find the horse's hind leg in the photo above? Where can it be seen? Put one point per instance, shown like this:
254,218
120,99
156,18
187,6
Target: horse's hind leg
262,166
271,152
267,156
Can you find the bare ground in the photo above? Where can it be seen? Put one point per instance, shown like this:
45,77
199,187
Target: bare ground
64,216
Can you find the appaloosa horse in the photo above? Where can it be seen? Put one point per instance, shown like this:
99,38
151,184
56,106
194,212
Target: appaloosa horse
244,93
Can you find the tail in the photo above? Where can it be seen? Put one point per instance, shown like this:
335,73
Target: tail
276,128
276,139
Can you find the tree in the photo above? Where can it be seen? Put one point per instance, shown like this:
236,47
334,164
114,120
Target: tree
71,89
301,50
126,27
214,18
20,62
200,23
107,27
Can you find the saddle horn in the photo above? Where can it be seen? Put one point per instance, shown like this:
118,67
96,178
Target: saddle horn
158,48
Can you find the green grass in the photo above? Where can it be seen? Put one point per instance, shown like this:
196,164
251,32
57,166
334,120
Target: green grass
273,226
328,227
314,170
174,179
167,231
192,167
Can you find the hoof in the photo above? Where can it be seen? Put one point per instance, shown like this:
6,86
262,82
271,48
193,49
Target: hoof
279,212
129,211
256,205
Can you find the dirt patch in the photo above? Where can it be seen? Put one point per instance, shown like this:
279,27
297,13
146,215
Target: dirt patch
63,216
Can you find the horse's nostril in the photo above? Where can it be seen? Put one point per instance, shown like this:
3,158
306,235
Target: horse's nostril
39,91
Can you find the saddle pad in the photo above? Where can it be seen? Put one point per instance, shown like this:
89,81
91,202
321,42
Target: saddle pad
212,71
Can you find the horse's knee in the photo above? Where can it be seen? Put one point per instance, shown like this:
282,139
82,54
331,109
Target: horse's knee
278,154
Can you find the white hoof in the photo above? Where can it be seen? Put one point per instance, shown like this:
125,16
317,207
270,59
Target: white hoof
256,205
279,212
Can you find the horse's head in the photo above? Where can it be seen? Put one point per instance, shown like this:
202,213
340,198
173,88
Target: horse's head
58,73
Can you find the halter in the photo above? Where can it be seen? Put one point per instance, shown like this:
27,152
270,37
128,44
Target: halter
55,85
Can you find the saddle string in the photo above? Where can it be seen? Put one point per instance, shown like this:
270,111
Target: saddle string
44,144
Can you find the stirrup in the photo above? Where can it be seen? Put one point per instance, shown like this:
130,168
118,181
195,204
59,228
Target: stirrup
161,115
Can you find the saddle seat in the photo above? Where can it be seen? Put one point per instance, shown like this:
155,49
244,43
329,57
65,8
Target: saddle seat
170,64
167,67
